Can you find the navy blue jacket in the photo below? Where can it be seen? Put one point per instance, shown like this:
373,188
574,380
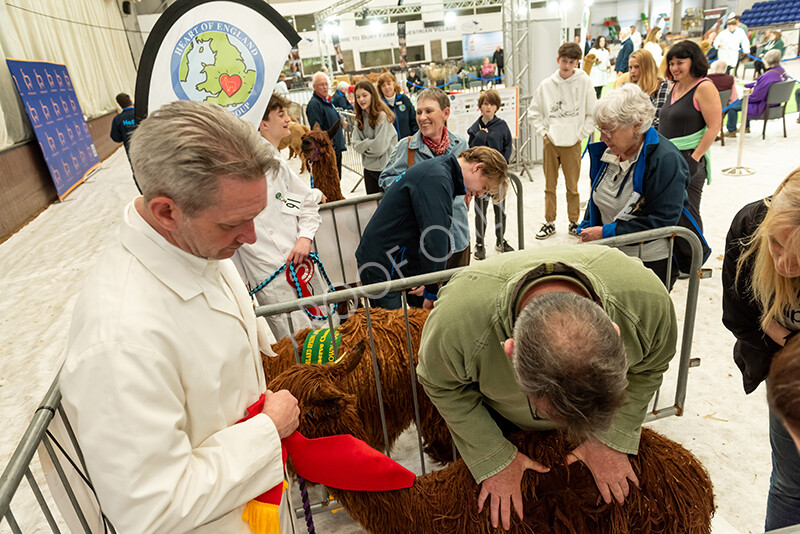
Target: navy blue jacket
396,239
621,65
340,101
660,175
324,113
122,127
495,135
405,116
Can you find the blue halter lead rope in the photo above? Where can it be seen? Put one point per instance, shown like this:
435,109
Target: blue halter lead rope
314,257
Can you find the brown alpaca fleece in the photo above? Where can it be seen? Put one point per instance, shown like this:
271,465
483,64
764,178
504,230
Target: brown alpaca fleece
588,63
675,494
294,139
319,158
391,345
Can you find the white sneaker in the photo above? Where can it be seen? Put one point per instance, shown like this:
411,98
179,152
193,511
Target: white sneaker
546,230
573,229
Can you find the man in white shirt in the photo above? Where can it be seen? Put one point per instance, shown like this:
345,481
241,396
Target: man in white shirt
636,38
284,233
163,355
729,43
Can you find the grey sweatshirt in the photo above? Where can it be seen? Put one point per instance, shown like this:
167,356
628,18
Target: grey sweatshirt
375,144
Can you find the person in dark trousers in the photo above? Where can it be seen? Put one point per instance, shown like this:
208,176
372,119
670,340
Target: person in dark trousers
760,283
339,99
122,127
409,232
498,60
414,81
492,131
621,65
405,116
321,111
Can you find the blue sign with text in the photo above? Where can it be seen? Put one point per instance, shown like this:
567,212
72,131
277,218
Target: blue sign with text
49,98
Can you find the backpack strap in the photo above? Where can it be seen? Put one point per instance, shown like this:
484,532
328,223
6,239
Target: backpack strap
411,152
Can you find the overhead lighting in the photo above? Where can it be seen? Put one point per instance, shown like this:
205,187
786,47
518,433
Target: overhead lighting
450,17
375,25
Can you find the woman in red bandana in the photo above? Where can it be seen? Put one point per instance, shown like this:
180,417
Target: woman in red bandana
433,139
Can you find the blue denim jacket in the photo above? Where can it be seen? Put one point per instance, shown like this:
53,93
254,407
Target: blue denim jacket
398,163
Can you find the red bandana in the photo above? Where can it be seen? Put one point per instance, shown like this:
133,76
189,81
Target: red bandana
441,148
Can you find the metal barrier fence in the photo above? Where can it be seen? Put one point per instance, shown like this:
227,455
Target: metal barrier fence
38,436
343,223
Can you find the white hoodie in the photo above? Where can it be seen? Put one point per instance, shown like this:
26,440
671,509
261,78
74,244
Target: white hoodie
562,109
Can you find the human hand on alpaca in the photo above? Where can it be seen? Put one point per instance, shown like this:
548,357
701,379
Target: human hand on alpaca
284,411
504,488
427,304
610,468
301,250
592,233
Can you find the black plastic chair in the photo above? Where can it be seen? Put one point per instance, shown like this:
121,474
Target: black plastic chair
724,97
778,96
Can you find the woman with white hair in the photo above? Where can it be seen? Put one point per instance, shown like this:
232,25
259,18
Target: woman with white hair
339,99
758,98
639,178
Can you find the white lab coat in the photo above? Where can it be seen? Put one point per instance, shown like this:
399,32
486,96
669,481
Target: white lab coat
729,44
161,362
655,51
600,71
636,39
277,230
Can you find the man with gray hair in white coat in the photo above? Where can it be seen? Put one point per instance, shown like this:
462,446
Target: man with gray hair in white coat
163,361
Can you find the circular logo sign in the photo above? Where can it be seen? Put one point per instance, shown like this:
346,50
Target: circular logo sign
217,62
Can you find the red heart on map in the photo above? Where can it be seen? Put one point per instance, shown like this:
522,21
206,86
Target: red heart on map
230,84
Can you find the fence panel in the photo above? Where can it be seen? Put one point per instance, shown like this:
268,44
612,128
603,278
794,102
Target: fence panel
44,422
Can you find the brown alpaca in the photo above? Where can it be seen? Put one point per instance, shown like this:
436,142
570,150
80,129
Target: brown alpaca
392,355
373,77
316,151
674,495
294,139
588,62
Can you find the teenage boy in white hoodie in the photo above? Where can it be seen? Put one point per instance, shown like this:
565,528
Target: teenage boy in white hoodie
561,112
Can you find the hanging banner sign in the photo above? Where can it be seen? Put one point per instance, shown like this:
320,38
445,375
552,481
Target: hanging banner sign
57,119
224,52
464,111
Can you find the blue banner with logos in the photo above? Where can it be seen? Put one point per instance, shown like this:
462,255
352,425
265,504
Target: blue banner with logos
49,98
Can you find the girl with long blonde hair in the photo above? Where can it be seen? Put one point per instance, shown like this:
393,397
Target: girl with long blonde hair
761,306
651,44
643,72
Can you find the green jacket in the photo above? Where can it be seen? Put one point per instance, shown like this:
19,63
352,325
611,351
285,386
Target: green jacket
462,364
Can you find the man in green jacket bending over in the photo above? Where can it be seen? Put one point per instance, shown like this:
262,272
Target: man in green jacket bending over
574,337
